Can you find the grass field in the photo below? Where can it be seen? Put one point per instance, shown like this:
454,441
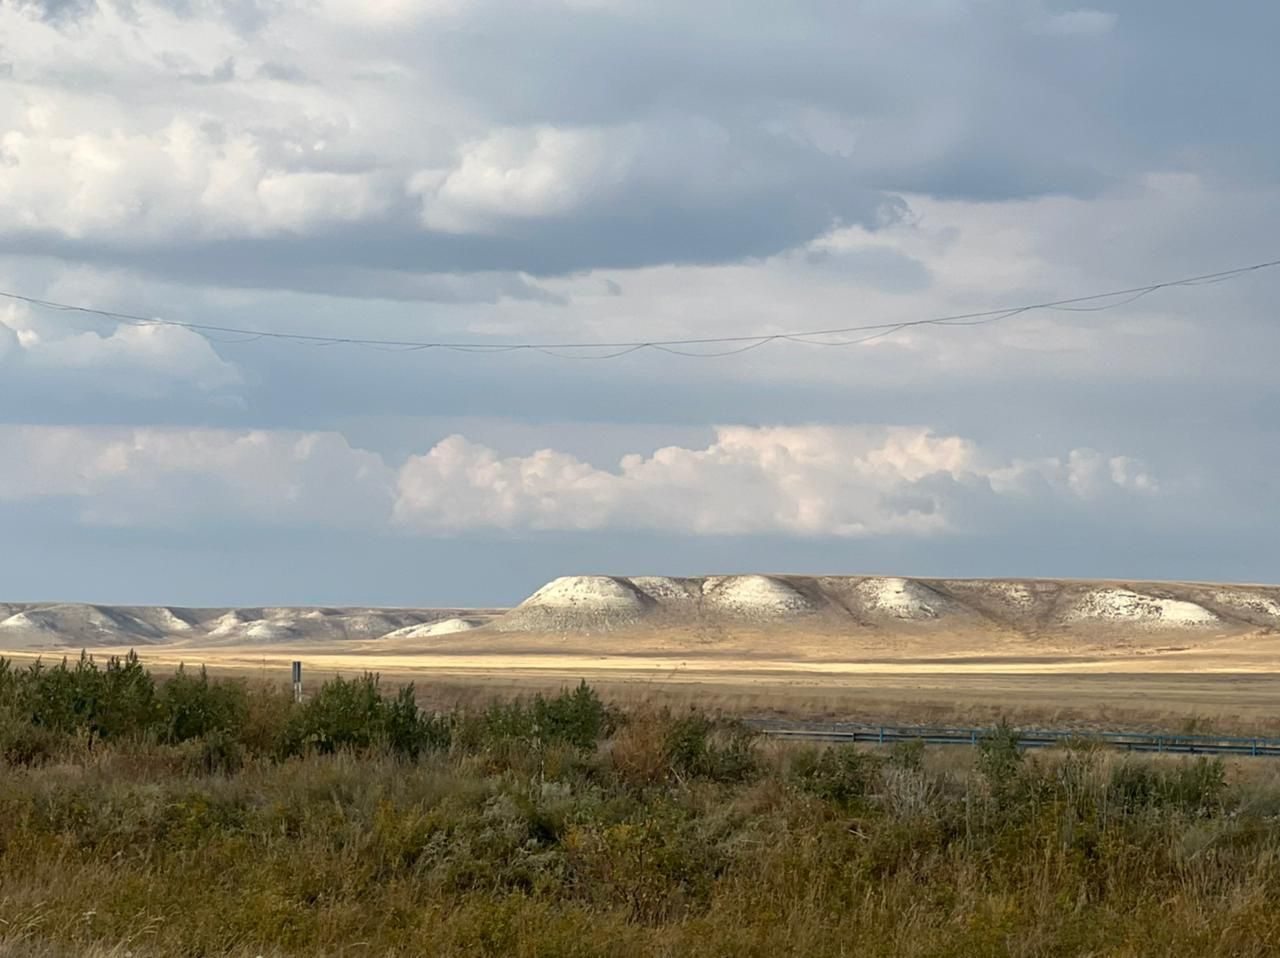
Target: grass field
1238,700
203,817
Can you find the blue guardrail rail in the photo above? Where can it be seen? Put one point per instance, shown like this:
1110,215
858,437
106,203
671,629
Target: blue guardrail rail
1027,737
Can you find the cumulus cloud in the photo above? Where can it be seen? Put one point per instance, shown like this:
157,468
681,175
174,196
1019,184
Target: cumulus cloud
184,180
180,479
544,137
853,482
144,362
807,481
522,174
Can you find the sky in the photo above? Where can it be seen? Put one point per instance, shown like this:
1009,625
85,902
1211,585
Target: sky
611,170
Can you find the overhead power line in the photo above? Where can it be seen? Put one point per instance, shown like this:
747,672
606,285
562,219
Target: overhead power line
734,345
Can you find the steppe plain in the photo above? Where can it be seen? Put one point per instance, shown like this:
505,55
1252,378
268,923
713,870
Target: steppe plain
889,649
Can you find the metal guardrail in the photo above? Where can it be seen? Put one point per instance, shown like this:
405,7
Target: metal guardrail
1027,738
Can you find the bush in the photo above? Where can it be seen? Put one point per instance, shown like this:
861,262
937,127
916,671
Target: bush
409,732
127,704
692,749
117,702
8,681
345,713
577,718
842,774
193,707
1000,762
353,714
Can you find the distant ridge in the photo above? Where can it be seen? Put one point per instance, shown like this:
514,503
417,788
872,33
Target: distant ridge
1027,606
709,605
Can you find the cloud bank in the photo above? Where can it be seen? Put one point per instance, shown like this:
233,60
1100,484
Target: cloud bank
800,481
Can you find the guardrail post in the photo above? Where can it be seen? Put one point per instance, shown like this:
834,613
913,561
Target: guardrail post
973,736
1159,743
1253,748
881,734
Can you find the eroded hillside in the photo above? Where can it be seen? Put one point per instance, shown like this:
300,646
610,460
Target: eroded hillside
708,607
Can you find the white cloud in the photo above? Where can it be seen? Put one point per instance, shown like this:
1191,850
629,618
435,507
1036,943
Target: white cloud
808,481
1084,473
146,362
182,179
523,173
798,481
173,478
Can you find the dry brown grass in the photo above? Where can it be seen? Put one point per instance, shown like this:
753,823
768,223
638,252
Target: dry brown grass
552,830
556,851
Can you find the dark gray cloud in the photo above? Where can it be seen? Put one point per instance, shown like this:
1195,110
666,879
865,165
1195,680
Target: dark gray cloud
727,132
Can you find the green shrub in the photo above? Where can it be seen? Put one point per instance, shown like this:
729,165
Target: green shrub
8,681
61,698
353,714
1000,762
577,718
191,707
115,702
344,713
687,743
409,732
695,746
127,704
842,774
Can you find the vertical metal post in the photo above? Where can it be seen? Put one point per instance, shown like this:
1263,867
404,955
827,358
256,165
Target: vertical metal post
881,734
297,681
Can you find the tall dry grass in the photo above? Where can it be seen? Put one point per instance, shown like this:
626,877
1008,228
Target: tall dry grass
559,827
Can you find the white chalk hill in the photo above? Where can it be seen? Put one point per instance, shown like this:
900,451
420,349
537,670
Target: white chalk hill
715,606
591,604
